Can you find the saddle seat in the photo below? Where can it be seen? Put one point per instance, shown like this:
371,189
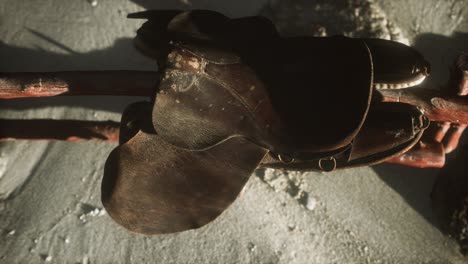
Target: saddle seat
297,97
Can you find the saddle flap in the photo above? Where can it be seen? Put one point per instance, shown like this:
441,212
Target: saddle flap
387,126
193,111
152,187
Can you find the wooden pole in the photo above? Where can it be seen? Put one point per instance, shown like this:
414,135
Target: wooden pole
44,84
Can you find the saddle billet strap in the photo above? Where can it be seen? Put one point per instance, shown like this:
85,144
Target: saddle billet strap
325,161
152,187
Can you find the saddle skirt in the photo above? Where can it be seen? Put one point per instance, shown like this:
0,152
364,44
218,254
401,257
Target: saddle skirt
235,96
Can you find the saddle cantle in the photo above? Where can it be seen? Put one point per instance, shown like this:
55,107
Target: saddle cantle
235,96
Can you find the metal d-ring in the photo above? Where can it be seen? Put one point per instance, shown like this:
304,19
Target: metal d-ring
425,122
324,168
285,159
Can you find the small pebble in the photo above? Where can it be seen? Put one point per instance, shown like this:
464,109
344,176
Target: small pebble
93,3
95,212
251,246
3,164
311,203
12,232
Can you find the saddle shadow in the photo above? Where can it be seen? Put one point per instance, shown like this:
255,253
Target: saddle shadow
449,192
414,184
441,51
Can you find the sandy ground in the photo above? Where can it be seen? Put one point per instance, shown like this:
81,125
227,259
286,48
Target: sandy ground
49,192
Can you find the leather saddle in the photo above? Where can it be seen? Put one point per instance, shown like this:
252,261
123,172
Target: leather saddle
235,96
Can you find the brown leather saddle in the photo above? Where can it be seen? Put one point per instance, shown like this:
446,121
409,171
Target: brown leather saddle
235,96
